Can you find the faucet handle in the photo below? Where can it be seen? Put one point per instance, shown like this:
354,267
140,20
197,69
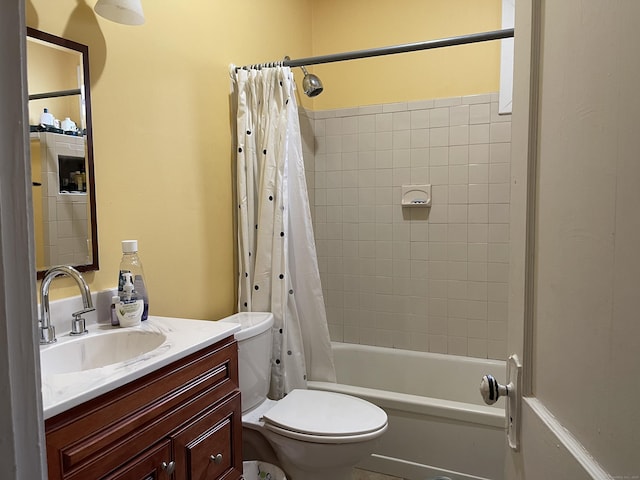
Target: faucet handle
83,311
47,335
78,324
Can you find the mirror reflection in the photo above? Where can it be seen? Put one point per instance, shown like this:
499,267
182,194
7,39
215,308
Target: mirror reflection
61,153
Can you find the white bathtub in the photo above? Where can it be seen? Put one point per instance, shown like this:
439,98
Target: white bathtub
438,424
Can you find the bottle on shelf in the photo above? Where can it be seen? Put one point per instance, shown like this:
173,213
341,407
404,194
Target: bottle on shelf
47,118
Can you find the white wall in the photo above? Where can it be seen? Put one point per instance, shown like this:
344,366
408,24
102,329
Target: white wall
429,279
65,216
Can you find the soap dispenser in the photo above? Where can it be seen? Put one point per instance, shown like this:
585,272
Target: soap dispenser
131,306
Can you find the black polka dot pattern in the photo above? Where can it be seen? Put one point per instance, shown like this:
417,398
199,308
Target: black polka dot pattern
267,222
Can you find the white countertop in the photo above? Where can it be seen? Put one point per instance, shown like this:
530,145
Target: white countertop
60,392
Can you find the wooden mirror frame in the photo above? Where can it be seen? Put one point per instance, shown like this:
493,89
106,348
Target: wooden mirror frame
83,50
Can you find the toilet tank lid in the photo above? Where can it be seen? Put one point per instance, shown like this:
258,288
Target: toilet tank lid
251,323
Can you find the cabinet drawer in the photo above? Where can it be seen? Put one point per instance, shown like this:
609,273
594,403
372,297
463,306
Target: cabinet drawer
146,466
210,446
93,439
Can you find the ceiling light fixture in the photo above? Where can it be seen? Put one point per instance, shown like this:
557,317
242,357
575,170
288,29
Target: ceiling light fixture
127,12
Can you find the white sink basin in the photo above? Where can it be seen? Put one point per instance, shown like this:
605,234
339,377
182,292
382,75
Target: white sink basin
78,369
98,350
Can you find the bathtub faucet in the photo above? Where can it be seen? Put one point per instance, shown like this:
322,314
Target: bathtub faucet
47,331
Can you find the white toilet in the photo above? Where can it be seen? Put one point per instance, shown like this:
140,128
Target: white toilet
314,435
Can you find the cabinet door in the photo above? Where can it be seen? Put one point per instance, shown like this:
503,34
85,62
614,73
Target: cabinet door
210,446
154,464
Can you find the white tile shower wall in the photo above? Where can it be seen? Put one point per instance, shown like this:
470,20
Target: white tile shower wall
423,279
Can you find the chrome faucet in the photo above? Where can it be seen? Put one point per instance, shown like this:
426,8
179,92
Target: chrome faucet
47,331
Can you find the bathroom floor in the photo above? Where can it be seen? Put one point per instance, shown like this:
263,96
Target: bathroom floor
359,474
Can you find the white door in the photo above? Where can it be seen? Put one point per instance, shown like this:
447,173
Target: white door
575,297
21,423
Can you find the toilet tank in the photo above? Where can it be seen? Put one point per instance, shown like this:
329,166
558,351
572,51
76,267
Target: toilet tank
254,355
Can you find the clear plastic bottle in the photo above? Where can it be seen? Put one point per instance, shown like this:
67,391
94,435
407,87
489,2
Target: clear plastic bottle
131,263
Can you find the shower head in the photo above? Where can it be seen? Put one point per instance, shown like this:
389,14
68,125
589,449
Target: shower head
311,84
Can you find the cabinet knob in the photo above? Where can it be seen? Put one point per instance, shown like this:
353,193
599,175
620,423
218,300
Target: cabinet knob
217,459
169,467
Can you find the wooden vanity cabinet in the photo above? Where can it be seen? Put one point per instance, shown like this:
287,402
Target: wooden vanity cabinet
181,422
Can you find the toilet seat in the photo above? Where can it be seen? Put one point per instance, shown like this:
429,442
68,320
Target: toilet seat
303,437
325,417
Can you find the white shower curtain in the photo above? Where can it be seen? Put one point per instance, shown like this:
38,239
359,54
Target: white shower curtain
277,262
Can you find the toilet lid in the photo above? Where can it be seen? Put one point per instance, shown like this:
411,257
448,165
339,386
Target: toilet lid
325,414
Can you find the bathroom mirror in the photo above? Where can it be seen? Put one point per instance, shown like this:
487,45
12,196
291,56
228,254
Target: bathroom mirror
62,163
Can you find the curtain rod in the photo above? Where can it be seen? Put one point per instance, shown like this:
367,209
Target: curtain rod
408,47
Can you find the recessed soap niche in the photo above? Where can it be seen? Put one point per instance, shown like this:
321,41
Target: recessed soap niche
71,174
416,195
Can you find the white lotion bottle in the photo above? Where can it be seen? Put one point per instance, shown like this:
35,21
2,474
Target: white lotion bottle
47,118
131,263
130,308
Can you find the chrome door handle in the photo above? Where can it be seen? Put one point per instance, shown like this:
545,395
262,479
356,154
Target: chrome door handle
491,391
217,459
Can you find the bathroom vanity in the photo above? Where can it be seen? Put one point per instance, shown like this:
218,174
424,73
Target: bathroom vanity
180,420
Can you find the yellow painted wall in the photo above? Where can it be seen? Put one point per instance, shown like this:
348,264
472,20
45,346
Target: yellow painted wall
38,224
340,26
160,98
51,70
